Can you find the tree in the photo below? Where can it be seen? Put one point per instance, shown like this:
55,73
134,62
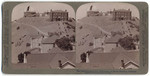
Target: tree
136,38
91,44
18,28
64,43
28,44
127,43
83,57
72,38
21,58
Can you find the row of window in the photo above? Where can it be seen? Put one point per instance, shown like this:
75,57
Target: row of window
59,14
122,12
59,17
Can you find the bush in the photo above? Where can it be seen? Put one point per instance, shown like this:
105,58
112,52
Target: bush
136,38
18,28
91,44
28,44
64,43
127,43
83,57
72,38
20,58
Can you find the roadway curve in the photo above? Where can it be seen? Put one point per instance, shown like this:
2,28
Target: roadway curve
108,33
34,28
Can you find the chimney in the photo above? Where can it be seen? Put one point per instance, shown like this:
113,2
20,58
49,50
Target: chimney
117,44
123,64
59,63
87,58
94,42
25,58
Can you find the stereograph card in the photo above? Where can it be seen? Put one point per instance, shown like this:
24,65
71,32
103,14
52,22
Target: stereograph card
75,37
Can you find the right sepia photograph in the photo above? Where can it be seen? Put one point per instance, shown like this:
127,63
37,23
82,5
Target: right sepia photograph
107,36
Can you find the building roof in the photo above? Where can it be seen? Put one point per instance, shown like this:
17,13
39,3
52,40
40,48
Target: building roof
34,50
113,39
35,36
67,63
99,35
55,50
110,60
94,66
123,10
59,11
98,50
54,62
118,49
51,58
71,56
102,57
50,40
131,63
40,58
91,11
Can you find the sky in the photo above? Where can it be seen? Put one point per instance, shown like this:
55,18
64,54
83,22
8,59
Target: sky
18,10
103,7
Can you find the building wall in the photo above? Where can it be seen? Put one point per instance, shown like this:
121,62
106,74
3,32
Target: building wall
109,47
122,15
30,14
131,67
58,16
99,42
46,47
35,43
68,67
92,13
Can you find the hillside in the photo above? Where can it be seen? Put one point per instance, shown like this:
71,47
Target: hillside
106,23
89,28
24,28
19,39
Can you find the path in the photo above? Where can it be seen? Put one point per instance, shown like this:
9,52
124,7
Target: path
34,28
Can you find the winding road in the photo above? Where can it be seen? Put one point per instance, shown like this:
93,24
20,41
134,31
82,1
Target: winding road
108,33
34,28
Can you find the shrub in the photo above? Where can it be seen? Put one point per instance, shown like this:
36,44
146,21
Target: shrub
127,43
64,43
28,44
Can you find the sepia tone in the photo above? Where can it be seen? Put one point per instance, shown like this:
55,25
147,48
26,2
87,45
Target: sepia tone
44,38
96,39
107,36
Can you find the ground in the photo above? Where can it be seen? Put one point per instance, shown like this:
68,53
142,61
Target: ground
25,27
89,27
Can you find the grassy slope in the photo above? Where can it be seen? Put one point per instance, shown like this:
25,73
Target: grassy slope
40,22
16,35
105,22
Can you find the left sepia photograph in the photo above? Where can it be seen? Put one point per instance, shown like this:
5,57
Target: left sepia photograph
43,36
